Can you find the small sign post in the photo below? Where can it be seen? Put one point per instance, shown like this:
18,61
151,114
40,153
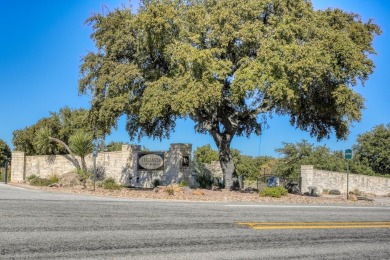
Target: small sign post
348,156
6,172
95,153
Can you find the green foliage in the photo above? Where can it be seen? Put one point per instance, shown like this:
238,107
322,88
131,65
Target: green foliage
156,182
81,143
40,182
170,190
54,178
42,141
334,192
250,167
114,146
60,124
83,175
202,175
246,166
227,65
276,192
373,149
205,154
2,174
5,152
183,184
35,180
110,184
304,153
30,177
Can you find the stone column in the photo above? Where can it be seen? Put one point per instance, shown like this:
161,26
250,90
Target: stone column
178,167
307,174
18,167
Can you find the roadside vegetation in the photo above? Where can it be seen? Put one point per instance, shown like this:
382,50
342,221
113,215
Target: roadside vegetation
371,156
275,192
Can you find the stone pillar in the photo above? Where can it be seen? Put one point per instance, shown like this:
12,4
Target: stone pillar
178,166
18,167
307,175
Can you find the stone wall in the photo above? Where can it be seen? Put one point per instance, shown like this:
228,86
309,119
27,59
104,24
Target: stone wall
215,168
336,180
121,165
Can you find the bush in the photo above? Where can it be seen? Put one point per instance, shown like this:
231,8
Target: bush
32,176
110,184
357,192
54,178
183,184
275,192
37,181
83,175
202,175
156,182
334,192
170,190
100,172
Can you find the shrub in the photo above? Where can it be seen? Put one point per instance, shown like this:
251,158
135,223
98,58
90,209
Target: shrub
32,176
54,178
357,192
156,182
170,190
334,192
37,181
202,175
100,172
275,192
313,191
110,184
183,184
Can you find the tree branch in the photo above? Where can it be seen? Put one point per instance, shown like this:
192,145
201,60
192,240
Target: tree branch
73,158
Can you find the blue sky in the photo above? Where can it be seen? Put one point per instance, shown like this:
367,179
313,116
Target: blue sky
42,43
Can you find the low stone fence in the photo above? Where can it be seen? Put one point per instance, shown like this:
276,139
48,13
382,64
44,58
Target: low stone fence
327,180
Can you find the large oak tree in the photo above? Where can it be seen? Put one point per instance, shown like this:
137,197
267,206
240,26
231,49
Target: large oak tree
228,65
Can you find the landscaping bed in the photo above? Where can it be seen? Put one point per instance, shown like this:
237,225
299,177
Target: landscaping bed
175,192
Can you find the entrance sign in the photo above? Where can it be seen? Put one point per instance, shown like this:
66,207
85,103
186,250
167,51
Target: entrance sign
150,161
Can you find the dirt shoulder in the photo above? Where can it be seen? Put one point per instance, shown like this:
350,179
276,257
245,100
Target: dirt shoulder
187,194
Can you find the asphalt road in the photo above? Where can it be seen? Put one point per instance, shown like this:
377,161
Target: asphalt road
43,225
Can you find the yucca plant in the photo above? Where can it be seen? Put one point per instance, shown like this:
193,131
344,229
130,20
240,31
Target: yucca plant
80,144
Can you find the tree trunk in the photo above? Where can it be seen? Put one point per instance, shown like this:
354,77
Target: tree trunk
223,142
71,154
228,172
83,163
